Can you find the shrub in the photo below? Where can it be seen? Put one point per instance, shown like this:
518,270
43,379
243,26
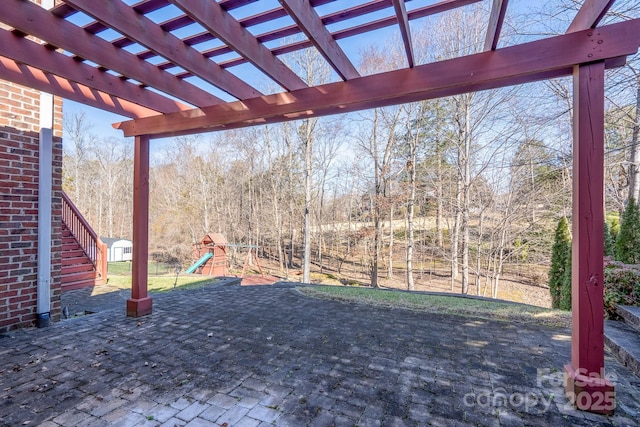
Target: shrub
564,302
621,286
609,242
627,247
560,260
614,226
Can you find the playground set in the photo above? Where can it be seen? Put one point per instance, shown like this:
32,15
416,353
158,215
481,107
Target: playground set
210,256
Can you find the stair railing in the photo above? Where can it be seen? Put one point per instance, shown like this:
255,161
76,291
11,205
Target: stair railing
89,241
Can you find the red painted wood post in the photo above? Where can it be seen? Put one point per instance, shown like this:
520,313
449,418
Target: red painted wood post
140,304
585,382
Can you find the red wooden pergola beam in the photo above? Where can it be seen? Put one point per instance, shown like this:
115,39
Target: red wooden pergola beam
405,30
287,31
34,78
493,69
259,18
219,22
421,12
311,24
356,11
358,106
64,10
182,21
249,21
494,27
589,15
29,18
124,19
338,35
38,56
234,4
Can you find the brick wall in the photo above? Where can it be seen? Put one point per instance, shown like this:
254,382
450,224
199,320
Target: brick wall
19,139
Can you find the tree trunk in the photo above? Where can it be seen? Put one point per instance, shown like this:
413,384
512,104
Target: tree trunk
291,206
634,167
455,237
376,206
478,257
376,248
390,267
465,197
320,222
308,164
439,200
500,262
410,213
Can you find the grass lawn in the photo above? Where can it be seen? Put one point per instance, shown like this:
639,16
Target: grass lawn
163,283
154,268
483,308
119,268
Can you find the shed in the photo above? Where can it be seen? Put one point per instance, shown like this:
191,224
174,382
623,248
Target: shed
210,255
118,249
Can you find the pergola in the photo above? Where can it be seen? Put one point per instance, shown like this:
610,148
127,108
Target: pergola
52,51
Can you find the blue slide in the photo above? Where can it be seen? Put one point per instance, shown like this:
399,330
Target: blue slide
201,261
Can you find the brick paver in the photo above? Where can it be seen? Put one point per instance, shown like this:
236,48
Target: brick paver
257,356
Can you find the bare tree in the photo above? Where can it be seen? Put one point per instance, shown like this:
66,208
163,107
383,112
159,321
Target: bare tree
78,130
314,70
464,36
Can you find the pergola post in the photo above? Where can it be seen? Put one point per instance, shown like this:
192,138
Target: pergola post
140,304
585,382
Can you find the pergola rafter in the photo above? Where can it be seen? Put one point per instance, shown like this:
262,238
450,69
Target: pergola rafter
38,56
293,30
421,12
35,78
311,24
212,17
135,26
405,30
64,10
181,21
31,19
496,19
590,14
106,75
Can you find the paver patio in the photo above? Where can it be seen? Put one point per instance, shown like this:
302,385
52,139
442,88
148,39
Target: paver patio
257,356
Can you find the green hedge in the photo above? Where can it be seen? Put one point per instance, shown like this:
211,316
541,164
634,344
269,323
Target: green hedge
560,271
621,286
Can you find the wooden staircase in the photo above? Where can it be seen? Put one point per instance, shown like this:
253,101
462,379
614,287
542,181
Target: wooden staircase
622,338
84,256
